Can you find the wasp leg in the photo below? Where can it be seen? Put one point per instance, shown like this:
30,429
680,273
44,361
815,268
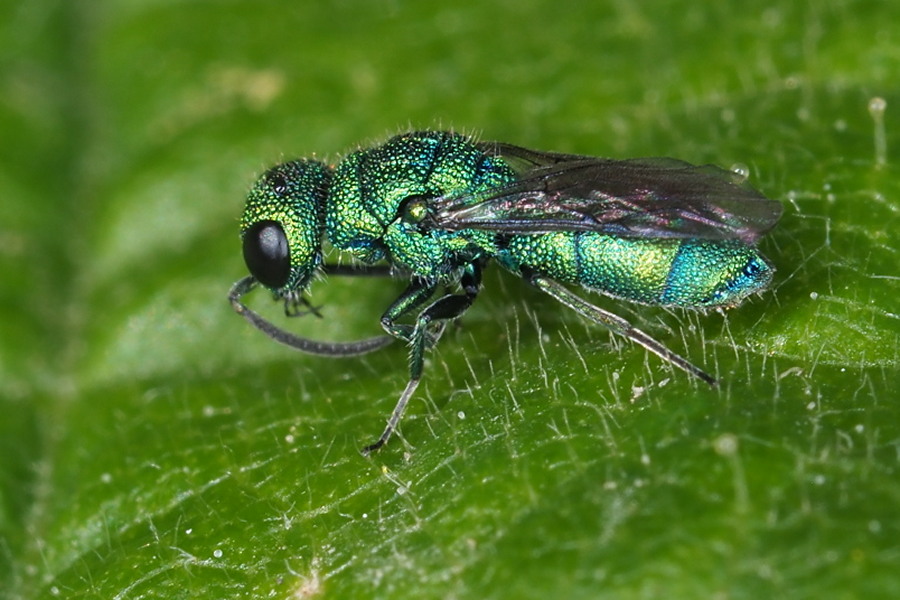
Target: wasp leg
413,297
616,324
301,306
294,307
445,308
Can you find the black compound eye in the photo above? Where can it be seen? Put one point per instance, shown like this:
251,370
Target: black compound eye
267,254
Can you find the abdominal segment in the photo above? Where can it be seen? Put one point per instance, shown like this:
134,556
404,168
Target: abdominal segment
665,272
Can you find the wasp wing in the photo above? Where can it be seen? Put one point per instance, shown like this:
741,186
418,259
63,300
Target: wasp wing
644,197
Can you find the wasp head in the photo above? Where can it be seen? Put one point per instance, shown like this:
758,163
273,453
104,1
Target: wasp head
283,224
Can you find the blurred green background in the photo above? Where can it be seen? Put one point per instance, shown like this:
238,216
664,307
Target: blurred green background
153,445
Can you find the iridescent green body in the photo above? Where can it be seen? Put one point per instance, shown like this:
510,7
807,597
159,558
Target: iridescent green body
364,216
438,207
685,273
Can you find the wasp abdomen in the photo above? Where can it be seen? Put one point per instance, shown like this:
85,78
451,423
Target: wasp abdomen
687,273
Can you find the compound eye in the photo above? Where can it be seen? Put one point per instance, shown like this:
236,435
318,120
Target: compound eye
267,254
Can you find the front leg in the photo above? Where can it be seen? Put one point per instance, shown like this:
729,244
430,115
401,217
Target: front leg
413,297
445,308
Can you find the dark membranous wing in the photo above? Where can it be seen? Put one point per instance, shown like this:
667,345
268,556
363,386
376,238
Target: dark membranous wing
645,197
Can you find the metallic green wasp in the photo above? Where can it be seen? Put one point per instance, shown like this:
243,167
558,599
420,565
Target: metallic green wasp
436,207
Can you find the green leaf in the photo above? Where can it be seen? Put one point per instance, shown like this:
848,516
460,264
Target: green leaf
155,445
